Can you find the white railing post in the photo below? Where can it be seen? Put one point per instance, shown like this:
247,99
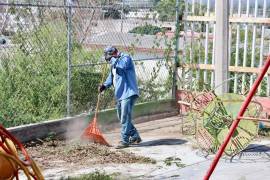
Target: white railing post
221,45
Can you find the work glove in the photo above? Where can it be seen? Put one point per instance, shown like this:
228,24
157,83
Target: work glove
101,88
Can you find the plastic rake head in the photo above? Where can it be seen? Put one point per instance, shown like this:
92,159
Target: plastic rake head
92,133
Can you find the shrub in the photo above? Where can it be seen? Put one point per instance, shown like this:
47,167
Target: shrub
146,29
33,77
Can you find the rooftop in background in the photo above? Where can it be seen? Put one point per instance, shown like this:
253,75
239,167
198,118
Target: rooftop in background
127,40
139,3
158,42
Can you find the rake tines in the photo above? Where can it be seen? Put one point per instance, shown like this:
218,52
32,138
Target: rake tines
93,133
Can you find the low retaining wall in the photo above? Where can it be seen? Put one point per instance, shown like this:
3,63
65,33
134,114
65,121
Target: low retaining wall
74,126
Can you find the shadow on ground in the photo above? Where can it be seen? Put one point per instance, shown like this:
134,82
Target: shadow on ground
257,148
160,142
252,154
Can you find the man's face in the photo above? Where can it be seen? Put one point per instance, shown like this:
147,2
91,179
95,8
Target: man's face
108,57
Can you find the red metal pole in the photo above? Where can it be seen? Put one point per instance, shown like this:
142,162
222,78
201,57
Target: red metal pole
237,120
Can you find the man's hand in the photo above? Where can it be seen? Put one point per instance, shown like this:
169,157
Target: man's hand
101,88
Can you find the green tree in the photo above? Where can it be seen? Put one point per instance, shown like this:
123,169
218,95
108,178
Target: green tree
166,10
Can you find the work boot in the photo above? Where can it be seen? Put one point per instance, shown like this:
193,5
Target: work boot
122,145
135,140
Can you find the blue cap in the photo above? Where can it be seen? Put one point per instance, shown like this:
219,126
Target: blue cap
3,40
109,51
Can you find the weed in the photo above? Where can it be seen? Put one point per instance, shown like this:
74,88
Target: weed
174,160
264,132
92,176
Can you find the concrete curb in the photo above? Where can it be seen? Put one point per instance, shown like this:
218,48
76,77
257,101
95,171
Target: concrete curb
73,126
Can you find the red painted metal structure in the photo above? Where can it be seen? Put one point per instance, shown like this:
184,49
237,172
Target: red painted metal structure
237,120
22,160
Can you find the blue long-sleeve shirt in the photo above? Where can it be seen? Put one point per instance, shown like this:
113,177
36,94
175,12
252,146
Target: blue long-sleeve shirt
125,77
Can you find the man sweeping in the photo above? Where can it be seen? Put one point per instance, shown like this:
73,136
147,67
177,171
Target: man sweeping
123,77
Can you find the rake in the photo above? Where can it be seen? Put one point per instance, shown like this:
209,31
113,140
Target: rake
92,132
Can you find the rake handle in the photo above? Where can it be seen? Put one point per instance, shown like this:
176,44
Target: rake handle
97,107
99,94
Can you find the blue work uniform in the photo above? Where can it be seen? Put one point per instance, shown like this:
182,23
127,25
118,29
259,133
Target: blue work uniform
123,77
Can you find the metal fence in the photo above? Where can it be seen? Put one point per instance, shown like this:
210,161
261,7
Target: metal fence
51,51
52,56
249,42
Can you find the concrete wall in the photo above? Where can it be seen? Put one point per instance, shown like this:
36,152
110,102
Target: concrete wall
73,127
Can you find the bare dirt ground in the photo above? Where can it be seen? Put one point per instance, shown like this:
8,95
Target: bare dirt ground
164,154
57,153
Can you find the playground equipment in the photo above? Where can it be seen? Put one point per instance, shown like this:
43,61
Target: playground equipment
240,116
217,122
7,167
213,115
216,119
14,158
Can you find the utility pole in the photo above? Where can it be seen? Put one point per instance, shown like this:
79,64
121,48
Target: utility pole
221,45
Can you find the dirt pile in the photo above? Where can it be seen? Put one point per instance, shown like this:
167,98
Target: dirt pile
57,153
